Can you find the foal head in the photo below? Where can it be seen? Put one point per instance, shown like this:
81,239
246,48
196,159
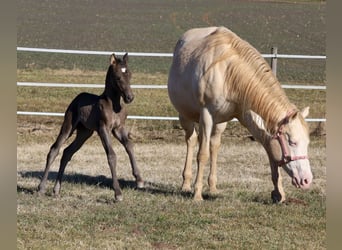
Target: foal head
289,148
118,78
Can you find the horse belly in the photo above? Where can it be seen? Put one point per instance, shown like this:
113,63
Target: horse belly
182,97
88,117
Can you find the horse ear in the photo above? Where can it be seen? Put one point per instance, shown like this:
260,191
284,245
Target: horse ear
125,58
305,112
112,59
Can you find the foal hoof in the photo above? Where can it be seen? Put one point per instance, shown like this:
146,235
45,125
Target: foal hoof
140,184
118,198
40,193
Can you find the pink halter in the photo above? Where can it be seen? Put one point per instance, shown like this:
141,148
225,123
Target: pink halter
280,136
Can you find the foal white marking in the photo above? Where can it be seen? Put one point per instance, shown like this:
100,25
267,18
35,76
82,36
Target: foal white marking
123,70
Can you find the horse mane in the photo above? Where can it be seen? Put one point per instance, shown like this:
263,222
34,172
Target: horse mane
248,77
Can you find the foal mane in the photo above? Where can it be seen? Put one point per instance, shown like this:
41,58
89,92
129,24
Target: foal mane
248,77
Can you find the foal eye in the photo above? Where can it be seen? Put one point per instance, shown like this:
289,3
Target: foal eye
292,144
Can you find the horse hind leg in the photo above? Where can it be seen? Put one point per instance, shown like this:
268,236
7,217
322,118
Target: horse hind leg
191,140
205,130
82,135
64,134
122,136
215,142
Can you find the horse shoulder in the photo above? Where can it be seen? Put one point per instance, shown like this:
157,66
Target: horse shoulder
119,118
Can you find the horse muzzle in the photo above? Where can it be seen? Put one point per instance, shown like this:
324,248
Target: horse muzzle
128,98
303,182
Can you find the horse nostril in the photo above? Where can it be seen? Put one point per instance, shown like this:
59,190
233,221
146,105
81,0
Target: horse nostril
129,98
305,183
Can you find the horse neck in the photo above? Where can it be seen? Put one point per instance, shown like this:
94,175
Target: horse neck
256,126
270,102
113,95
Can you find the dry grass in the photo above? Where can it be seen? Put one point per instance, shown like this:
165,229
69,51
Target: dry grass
161,217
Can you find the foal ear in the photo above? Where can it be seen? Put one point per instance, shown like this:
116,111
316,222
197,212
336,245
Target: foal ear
305,112
125,58
112,59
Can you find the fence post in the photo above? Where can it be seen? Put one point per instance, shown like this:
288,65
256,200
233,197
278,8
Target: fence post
274,51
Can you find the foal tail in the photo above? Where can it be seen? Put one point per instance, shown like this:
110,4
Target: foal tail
70,119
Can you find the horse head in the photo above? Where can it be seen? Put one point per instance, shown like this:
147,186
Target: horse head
289,148
119,76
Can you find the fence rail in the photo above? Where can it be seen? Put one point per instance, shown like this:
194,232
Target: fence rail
274,55
137,86
91,52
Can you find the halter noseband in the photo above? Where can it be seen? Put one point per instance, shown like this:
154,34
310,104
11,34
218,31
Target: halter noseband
280,136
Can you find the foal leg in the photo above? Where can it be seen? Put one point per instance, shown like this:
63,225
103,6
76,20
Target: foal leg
111,157
205,128
191,141
64,134
215,142
82,135
122,136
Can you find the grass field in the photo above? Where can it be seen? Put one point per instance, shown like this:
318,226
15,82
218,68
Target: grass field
242,215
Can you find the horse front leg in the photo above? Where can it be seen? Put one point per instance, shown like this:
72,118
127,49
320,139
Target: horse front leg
111,158
205,128
191,141
122,136
278,194
215,142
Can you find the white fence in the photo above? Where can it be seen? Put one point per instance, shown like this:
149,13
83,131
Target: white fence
88,52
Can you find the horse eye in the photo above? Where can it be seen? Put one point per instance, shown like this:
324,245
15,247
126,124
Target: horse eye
292,144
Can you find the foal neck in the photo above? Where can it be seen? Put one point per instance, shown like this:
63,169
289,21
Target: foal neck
113,96
112,93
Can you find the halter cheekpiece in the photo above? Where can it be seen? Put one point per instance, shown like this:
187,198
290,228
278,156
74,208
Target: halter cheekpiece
280,136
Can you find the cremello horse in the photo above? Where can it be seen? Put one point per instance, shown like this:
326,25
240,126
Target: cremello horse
216,76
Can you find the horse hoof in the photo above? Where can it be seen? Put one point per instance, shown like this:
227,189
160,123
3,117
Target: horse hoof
140,184
198,198
277,197
186,189
41,193
56,195
41,190
215,191
118,198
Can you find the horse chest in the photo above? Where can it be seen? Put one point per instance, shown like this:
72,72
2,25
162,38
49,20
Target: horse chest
116,120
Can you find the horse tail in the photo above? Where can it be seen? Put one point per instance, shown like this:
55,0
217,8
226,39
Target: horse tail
71,116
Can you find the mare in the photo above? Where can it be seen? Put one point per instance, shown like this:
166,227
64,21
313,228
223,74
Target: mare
104,114
216,76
